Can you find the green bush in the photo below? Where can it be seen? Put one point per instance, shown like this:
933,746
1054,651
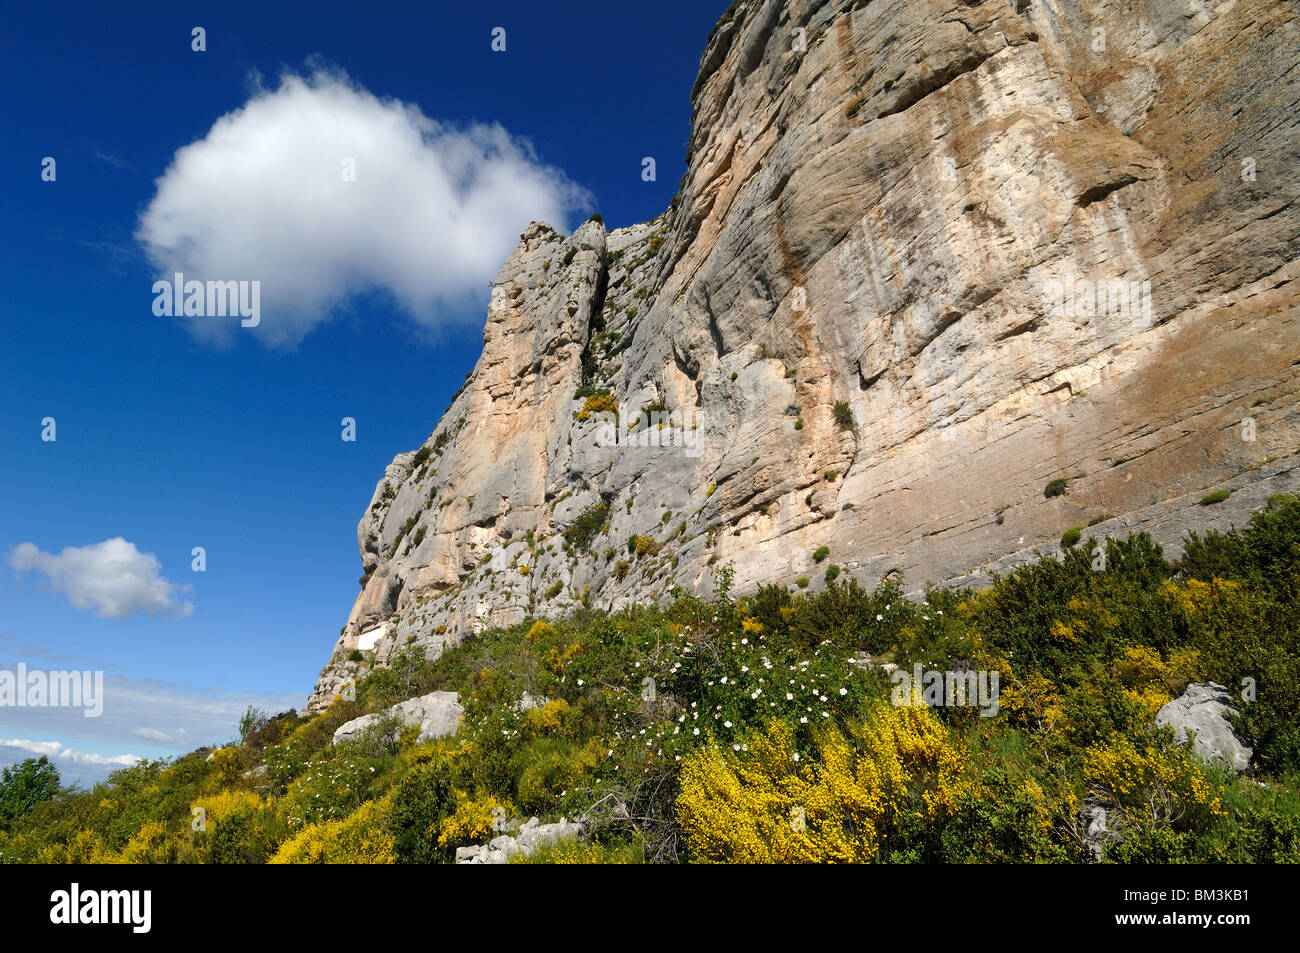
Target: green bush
1071,536
1054,488
585,528
22,786
1218,496
844,415
421,801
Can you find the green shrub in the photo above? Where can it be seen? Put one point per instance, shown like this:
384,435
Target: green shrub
585,528
421,801
1054,488
22,786
821,553
1071,536
1218,496
844,415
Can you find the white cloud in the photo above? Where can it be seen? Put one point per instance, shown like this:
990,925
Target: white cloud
59,752
431,217
113,577
180,737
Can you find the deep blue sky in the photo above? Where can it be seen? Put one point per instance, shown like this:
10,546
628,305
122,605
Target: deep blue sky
171,443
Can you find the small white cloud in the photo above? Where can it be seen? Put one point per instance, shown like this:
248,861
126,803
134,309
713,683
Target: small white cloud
178,737
431,216
113,578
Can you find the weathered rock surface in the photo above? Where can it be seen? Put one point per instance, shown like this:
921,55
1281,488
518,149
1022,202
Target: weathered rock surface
862,294
527,839
437,714
1201,712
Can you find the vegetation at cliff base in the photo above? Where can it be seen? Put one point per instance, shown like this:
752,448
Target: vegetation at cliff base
771,728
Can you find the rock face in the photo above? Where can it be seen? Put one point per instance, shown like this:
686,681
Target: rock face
529,837
437,714
927,256
1202,710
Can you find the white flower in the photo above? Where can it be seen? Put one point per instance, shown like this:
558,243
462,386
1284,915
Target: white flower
879,617
579,682
844,691
803,719
795,756
726,724
697,731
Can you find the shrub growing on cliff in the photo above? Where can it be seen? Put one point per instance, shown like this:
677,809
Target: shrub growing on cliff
1054,488
844,415
585,528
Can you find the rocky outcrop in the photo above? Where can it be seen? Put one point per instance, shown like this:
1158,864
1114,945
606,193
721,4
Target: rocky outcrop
437,714
927,256
527,839
1201,714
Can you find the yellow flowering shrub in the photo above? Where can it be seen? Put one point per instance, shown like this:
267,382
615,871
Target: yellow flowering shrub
85,847
360,838
555,717
769,804
1033,702
151,844
1193,597
471,823
222,804
225,767
600,403
1153,785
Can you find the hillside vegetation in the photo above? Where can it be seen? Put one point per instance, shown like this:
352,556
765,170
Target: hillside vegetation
762,729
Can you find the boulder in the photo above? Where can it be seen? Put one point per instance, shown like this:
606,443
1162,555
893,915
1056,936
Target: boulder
526,839
1201,713
437,714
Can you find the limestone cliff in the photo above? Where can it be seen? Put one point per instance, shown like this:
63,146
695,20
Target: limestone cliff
928,256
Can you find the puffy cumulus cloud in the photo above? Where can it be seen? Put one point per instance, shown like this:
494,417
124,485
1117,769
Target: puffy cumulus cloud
83,768
113,578
431,216
57,751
